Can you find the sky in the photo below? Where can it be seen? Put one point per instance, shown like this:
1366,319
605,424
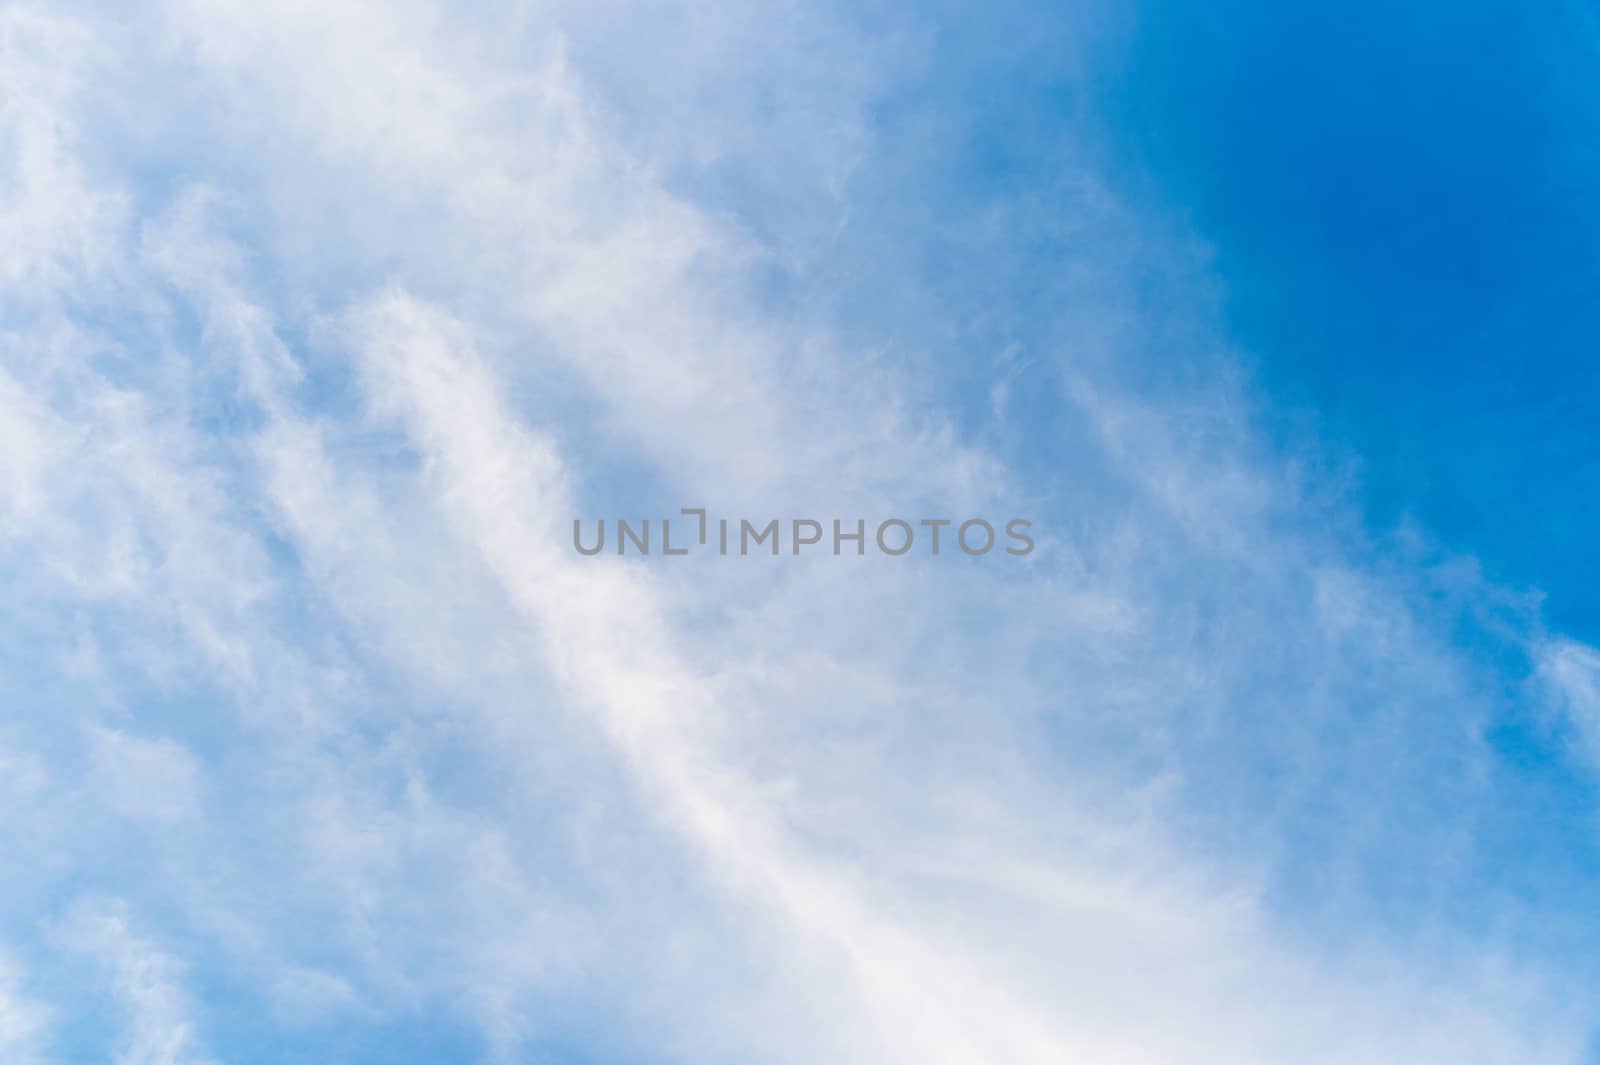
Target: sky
321,324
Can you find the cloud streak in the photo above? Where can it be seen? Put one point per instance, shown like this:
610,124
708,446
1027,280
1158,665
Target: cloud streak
295,433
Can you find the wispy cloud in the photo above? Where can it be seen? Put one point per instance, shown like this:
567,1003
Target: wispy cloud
145,980
24,1021
1571,672
305,380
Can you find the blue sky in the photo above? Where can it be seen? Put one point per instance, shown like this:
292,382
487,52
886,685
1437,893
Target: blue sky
319,324
1397,202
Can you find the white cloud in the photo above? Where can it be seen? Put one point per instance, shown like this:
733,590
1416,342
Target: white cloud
155,779
24,1021
1571,671
145,980
53,219
850,814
